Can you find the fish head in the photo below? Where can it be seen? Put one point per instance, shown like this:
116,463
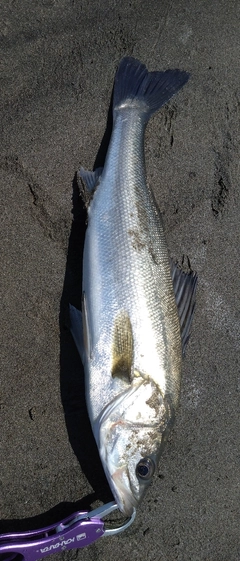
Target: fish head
131,435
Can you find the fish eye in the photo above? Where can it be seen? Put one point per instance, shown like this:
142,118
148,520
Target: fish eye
145,468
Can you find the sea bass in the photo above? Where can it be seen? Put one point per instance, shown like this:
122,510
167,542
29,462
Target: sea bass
136,307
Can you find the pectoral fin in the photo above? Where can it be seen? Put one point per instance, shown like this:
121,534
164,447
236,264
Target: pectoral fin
184,286
122,348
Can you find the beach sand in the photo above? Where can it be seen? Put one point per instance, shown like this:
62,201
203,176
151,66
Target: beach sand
58,61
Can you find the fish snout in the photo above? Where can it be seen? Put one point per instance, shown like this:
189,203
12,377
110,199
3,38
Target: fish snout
122,491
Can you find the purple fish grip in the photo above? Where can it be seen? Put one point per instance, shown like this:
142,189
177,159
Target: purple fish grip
30,547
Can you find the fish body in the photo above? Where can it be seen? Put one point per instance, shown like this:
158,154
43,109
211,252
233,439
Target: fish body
131,316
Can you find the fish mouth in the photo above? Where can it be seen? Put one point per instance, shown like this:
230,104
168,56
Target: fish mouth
120,485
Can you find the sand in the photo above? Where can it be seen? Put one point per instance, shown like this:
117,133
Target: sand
58,62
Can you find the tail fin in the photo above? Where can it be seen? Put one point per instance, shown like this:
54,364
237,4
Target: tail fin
134,83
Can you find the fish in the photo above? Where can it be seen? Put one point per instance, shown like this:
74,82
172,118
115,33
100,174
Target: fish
137,305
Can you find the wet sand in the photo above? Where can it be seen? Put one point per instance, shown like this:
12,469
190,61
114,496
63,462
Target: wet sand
59,59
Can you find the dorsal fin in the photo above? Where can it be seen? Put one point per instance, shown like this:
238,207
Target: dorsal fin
122,347
184,286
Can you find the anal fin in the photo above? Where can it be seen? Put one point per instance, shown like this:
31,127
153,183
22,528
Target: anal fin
88,182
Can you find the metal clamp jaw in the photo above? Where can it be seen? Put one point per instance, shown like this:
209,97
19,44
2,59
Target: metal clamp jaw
76,531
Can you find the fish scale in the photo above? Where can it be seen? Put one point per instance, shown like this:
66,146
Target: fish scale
135,276
130,321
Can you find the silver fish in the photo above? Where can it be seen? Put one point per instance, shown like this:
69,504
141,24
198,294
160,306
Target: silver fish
136,312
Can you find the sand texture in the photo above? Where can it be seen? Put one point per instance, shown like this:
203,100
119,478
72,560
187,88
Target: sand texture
58,60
